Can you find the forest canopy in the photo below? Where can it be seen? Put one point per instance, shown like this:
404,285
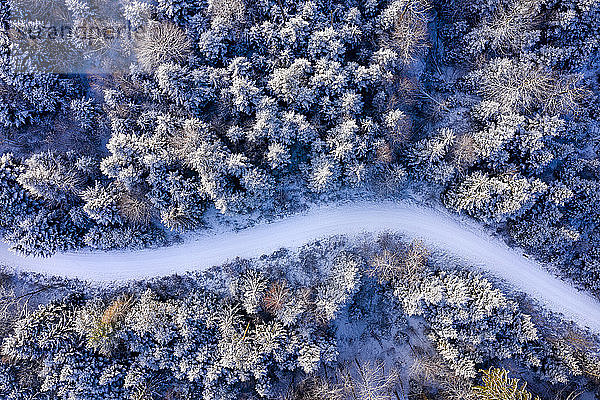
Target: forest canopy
376,320
235,107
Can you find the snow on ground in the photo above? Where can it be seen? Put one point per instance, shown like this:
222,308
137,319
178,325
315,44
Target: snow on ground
438,229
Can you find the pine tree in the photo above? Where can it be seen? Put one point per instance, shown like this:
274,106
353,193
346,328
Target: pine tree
494,197
53,177
101,204
278,156
86,112
291,84
323,175
14,199
44,233
341,283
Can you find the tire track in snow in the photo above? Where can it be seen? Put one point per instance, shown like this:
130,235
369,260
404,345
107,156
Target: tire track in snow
438,229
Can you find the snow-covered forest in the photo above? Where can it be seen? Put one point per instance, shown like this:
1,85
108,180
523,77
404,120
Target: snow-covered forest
338,319
235,107
129,124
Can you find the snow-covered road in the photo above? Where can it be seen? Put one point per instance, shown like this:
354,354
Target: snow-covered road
435,228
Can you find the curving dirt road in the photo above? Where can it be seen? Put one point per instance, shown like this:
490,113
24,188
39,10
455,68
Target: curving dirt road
435,228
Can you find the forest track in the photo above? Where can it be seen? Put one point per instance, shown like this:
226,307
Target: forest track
458,236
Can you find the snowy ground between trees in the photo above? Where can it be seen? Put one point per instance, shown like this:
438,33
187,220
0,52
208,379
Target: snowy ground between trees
437,229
